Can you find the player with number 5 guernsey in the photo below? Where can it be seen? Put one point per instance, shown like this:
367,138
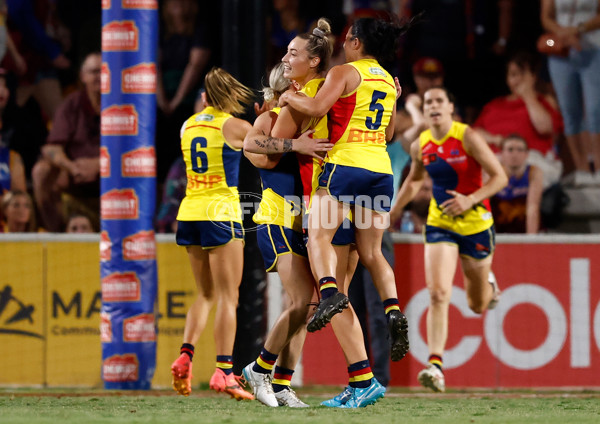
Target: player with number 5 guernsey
359,98
209,225
358,120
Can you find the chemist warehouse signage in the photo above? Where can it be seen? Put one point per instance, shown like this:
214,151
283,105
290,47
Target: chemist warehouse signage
128,187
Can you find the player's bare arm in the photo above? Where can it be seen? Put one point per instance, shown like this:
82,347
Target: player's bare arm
304,145
235,131
262,126
477,147
412,184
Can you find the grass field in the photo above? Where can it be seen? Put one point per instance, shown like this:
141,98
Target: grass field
203,406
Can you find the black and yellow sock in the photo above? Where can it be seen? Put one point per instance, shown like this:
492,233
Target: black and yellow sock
360,374
265,362
327,287
282,378
188,349
225,363
390,305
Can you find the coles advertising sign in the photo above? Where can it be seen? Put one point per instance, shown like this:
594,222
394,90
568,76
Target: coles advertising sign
545,331
128,191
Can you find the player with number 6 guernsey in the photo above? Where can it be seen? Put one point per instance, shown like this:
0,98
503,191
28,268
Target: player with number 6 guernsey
209,225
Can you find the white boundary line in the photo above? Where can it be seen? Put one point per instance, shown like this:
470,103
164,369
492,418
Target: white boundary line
396,237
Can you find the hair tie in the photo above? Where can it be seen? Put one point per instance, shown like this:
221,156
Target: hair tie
319,33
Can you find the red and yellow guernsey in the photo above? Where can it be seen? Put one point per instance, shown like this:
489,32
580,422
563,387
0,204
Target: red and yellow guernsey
310,167
212,167
452,168
357,121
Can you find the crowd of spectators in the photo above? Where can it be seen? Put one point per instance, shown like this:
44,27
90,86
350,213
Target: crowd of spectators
483,52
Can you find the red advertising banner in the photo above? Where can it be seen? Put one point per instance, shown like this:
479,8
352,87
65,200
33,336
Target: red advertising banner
105,78
545,332
140,4
120,36
139,79
140,162
121,287
121,368
119,120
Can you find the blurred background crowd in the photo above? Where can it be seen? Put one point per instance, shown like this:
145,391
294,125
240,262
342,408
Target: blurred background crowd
539,114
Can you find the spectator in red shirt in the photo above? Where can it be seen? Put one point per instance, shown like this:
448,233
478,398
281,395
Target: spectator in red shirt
526,112
66,178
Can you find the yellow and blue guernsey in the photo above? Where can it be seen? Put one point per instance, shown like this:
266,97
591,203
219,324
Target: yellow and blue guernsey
357,121
281,202
452,168
212,168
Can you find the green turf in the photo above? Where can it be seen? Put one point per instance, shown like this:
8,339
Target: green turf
71,407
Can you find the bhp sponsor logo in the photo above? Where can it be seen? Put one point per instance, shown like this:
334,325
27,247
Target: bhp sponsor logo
139,328
139,4
105,246
121,287
105,328
119,120
119,204
139,163
120,36
139,79
139,247
104,162
104,79
119,368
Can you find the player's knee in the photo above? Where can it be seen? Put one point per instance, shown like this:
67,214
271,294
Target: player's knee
371,257
439,296
476,306
299,307
208,296
315,241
